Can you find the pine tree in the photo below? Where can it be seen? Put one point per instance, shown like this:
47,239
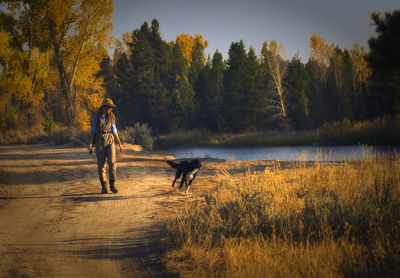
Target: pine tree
235,94
256,112
384,59
296,83
209,94
182,94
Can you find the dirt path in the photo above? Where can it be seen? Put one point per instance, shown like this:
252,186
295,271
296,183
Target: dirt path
55,224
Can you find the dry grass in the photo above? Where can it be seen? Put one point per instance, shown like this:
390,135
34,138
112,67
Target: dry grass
202,137
380,131
308,221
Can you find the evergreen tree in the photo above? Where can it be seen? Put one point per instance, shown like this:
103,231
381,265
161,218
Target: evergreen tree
197,64
120,92
209,95
349,105
296,83
235,94
332,101
144,94
203,100
384,58
182,94
256,112
197,75
107,73
141,62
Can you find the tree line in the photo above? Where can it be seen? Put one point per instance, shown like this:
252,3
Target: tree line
55,70
173,85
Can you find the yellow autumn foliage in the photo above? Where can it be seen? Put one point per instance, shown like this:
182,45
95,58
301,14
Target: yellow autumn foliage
187,42
57,55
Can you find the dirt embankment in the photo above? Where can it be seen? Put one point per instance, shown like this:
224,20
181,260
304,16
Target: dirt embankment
54,222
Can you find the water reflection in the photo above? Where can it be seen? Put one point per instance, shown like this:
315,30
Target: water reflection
304,153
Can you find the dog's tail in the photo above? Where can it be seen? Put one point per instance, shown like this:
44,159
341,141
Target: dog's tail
172,164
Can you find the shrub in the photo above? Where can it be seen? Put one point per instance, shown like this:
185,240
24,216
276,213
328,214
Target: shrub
139,135
22,137
195,137
49,123
61,135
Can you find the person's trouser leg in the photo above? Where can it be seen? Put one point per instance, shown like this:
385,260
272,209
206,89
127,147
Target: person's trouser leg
112,166
101,163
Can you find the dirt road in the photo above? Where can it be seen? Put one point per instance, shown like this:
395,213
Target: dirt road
54,222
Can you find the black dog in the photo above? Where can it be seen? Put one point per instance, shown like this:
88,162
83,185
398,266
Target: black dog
188,171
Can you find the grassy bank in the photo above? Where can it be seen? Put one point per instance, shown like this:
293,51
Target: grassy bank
139,134
57,136
204,138
307,221
381,131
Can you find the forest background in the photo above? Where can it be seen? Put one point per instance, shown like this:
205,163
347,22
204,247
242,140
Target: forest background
55,71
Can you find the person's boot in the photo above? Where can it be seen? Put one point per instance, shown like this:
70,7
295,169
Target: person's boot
104,188
112,187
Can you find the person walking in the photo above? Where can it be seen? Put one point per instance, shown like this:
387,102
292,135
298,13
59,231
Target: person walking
104,132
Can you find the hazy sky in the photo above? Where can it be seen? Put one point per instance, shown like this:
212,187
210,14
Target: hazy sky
221,22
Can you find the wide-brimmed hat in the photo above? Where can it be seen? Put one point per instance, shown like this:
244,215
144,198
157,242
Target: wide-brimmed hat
108,102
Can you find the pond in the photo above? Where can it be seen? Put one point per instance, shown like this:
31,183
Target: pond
305,153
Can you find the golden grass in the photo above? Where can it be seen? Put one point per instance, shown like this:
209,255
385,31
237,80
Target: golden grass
307,221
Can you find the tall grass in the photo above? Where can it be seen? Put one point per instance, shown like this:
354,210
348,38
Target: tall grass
380,131
202,137
138,134
309,221
56,136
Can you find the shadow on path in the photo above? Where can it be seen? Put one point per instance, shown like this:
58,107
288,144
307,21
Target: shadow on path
88,197
146,251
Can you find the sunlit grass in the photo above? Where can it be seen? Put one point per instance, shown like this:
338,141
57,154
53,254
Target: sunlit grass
306,221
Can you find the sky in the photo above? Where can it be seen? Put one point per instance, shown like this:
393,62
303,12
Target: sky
221,22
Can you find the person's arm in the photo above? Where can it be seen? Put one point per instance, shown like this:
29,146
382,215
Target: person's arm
92,131
118,141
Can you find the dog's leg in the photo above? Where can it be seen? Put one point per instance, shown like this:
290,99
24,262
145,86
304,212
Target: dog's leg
177,176
190,183
182,181
187,185
194,176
